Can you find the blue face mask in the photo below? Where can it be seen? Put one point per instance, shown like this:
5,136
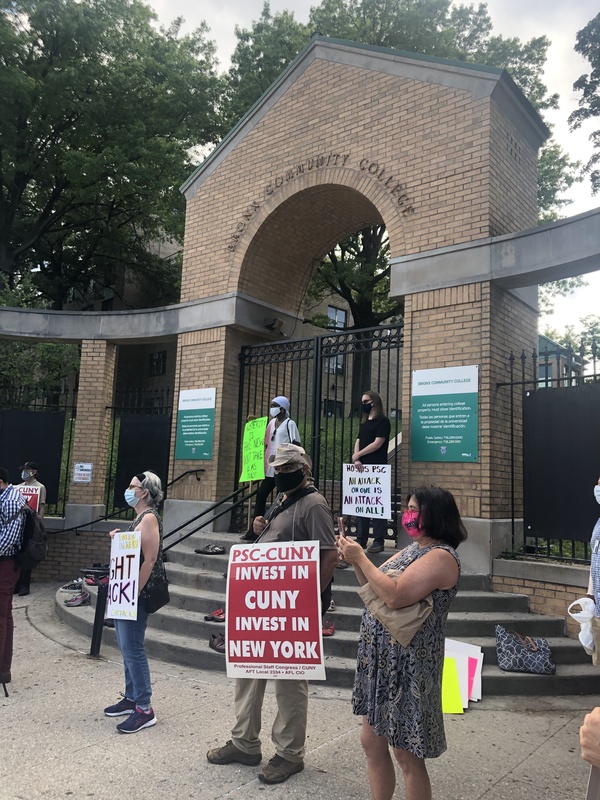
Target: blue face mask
130,498
25,475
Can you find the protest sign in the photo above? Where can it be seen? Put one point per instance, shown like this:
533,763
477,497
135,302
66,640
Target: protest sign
124,575
367,493
31,495
274,612
253,450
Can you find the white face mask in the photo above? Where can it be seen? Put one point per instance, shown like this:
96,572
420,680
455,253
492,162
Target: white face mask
597,493
275,411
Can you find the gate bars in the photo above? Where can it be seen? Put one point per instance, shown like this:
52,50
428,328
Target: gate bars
324,377
554,369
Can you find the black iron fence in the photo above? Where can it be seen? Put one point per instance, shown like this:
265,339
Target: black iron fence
140,439
39,426
324,378
555,403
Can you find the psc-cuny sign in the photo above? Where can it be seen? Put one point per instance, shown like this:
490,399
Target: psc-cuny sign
274,612
445,414
367,492
123,584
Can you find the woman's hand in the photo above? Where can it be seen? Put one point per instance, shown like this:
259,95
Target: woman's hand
349,550
112,533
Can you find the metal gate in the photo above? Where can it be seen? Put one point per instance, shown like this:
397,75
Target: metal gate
39,427
140,439
561,442
324,377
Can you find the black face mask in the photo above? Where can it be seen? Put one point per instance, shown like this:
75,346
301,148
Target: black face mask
366,408
287,481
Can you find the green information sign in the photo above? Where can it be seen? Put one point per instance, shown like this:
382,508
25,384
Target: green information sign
445,414
253,450
195,424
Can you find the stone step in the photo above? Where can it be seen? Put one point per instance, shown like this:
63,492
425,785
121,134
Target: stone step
340,661
179,633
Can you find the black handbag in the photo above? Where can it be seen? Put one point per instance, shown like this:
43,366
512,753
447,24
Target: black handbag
518,653
156,591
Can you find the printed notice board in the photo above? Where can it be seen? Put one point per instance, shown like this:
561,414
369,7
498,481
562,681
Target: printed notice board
445,414
195,424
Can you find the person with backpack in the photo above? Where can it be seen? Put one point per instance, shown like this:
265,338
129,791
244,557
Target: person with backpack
11,536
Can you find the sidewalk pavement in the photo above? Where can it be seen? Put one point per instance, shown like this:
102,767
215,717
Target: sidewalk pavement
56,742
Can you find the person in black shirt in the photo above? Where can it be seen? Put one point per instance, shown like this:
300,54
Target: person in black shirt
371,447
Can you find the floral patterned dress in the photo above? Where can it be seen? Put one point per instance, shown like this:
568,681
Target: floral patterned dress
399,689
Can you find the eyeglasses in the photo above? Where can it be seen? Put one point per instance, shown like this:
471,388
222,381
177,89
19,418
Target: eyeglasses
134,486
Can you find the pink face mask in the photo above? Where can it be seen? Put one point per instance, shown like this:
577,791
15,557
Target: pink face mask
410,523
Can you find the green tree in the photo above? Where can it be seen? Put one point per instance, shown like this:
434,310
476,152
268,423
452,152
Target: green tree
261,54
100,112
31,369
588,45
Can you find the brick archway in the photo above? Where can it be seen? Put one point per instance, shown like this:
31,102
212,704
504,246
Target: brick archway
284,242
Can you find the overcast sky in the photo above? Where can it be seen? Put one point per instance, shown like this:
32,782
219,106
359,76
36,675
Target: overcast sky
559,20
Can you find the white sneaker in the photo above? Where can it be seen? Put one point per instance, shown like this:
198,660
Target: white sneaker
331,606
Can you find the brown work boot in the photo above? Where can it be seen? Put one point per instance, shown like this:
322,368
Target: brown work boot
279,770
230,754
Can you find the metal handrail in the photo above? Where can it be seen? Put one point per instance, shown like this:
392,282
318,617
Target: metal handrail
209,510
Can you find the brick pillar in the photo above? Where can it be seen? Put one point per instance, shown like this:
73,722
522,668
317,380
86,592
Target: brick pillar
460,326
92,429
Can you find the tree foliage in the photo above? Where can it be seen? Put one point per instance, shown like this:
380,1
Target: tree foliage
100,110
588,45
262,53
358,271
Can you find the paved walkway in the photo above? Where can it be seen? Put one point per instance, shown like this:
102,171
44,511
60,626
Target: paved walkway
57,743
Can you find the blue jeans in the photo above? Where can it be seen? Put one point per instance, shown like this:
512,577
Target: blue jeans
130,638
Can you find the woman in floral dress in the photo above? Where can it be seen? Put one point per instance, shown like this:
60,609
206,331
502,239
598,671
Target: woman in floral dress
398,690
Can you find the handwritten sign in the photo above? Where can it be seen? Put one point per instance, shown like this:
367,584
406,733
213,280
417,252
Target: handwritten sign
124,575
367,493
31,495
253,450
274,612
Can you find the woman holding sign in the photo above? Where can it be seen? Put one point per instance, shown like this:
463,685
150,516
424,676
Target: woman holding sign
398,687
371,447
144,493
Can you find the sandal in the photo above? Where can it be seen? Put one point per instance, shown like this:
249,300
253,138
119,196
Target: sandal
210,550
216,616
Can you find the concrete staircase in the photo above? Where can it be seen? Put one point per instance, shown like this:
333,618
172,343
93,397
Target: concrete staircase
179,634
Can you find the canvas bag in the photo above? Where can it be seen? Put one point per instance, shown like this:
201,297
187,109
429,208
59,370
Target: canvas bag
401,623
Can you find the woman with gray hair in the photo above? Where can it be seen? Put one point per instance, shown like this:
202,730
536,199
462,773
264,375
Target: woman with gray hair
144,493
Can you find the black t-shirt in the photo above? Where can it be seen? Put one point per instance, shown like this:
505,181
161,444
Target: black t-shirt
367,433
